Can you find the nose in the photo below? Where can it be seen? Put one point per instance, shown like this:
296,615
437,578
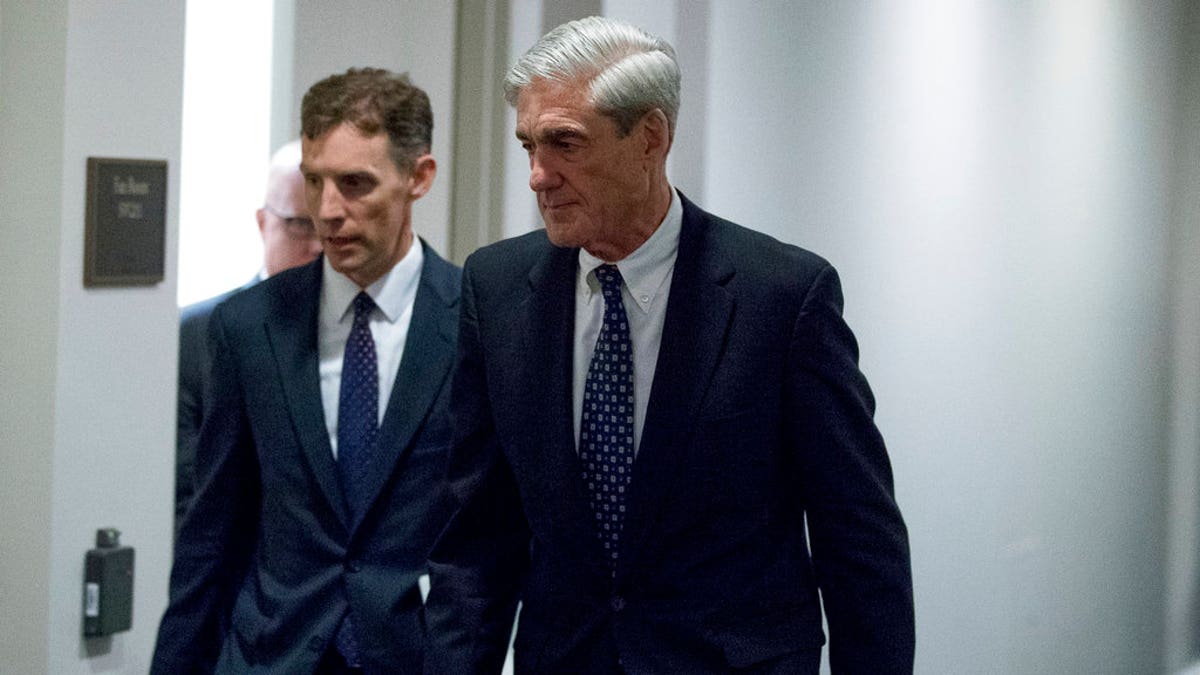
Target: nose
328,208
542,174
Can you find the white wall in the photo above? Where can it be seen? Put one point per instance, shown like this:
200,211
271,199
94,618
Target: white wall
31,82
991,180
88,412
228,81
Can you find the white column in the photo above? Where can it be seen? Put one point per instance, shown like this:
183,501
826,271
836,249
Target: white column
88,411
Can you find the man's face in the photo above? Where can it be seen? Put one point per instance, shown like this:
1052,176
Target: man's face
591,184
289,238
360,201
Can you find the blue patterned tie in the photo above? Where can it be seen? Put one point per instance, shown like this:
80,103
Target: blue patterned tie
358,403
358,427
606,426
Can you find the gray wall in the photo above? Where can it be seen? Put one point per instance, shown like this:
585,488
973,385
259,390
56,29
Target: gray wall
1183,505
86,421
991,180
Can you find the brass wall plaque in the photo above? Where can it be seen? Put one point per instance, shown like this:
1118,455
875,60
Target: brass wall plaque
125,228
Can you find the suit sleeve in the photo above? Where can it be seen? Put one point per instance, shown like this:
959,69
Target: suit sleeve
858,537
189,410
217,534
478,562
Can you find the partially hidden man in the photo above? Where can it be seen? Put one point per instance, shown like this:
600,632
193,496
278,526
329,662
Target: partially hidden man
325,432
289,239
664,447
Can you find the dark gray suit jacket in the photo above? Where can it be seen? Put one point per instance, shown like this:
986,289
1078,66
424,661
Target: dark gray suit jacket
758,422
194,365
268,558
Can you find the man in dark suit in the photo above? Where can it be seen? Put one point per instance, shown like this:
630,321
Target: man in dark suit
664,448
289,240
324,436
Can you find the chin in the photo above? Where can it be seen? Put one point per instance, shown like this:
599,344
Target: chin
343,265
562,234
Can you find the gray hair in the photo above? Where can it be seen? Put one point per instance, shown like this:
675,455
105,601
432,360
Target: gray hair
631,71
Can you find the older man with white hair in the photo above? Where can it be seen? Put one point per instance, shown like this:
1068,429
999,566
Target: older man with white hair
664,448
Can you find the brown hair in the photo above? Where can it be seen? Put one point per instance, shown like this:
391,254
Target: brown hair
374,100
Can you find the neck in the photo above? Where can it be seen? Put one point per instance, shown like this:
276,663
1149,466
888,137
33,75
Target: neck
641,228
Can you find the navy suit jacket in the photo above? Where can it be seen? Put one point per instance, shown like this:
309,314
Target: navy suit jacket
759,421
194,365
268,557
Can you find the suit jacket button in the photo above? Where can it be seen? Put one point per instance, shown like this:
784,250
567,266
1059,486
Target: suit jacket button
617,603
316,644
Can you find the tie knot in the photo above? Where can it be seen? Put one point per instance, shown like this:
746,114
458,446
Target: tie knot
610,281
363,304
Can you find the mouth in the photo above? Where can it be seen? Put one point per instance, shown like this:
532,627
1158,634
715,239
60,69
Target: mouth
339,242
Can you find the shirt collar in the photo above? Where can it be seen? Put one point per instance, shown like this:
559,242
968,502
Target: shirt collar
392,292
647,267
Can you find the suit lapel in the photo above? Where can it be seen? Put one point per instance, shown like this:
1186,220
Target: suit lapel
292,331
424,367
543,327
699,310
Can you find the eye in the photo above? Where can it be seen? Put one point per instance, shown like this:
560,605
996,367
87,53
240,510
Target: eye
567,142
355,184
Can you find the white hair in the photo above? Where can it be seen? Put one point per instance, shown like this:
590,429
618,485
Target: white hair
630,71
284,167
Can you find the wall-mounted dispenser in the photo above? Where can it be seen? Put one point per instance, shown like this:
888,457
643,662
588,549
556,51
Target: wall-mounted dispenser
107,585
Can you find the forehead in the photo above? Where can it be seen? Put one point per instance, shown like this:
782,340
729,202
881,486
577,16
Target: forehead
343,148
545,106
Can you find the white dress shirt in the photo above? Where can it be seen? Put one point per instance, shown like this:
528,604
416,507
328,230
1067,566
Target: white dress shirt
647,274
393,294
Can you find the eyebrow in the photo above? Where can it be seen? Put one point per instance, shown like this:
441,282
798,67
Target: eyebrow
338,174
552,135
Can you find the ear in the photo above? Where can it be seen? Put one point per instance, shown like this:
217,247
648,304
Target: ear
421,177
657,134
261,216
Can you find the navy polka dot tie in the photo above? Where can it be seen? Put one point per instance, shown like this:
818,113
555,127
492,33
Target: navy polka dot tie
358,403
358,428
606,426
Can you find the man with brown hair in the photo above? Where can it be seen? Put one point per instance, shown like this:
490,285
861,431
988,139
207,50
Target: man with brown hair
319,462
